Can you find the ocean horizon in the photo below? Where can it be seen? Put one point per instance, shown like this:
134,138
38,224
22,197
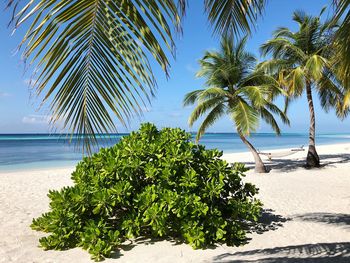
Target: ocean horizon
41,150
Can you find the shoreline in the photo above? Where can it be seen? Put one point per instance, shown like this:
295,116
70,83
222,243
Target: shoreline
229,156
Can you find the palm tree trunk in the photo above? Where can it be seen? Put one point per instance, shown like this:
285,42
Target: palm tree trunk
259,165
312,159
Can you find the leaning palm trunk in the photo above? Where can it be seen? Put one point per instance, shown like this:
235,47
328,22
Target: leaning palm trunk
312,159
259,165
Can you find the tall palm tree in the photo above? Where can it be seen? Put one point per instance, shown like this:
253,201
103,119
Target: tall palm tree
233,88
301,61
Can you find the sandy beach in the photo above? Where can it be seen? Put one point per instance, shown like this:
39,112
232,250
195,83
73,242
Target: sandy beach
306,216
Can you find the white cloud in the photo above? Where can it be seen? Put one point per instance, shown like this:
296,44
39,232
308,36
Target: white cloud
191,68
175,114
36,119
4,94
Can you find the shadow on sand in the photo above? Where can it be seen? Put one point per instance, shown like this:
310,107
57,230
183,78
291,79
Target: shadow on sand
317,253
288,165
337,219
267,222
308,253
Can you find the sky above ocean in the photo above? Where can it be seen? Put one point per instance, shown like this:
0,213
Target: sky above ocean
18,106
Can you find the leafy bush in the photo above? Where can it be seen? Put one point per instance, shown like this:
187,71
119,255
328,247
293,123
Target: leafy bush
153,184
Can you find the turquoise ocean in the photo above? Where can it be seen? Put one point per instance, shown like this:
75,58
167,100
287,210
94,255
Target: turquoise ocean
36,151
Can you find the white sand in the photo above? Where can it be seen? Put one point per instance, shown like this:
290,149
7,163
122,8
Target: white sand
307,217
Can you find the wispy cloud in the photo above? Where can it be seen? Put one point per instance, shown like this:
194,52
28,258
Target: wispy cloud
191,68
4,94
175,114
36,119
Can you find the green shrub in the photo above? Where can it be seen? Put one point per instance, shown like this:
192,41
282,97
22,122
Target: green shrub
151,184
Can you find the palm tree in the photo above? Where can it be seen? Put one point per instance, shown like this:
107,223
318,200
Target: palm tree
301,62
91,57
233,88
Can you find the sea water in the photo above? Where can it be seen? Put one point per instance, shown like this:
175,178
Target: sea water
28,151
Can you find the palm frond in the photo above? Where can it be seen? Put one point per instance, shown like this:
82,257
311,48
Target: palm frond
256,94
233,16
216,113
269,119
191,97
214,92
245,117
92,57
296,80
282,48
315,66
202,108
333,94
342,39
274,66
275,110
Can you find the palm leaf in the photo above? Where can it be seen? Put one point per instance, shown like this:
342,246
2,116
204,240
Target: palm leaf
203,107
275,110
269,119
214,92
342,39
296,80
217,112
191,97
233,16
245,117
92,58
315,65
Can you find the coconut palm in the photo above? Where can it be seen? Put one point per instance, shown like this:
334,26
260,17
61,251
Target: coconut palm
301,63
233,88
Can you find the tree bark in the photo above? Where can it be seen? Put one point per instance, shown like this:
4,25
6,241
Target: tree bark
312,159
259,165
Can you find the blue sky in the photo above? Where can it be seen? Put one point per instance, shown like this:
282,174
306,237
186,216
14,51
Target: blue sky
18,107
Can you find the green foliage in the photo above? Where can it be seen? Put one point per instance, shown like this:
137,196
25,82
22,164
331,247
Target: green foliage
233,87
152,184
304,59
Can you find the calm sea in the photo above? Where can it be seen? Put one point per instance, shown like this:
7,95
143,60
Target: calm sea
24,151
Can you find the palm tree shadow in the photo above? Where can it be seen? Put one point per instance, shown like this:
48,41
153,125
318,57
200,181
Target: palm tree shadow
338,252
335,219
307,253
289,165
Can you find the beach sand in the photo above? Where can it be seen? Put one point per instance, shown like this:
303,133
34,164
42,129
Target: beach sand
306,216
